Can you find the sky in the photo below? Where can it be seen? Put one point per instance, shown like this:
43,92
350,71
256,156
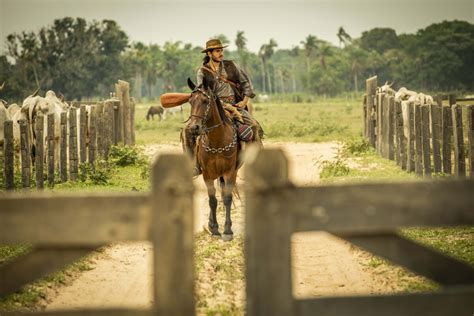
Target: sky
286,21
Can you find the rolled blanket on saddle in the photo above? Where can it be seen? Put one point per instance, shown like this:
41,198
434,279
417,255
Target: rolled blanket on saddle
172,99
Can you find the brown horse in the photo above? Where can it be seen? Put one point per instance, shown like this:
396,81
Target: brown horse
217,151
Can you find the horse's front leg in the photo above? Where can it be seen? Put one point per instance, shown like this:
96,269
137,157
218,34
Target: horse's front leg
212,226
227,197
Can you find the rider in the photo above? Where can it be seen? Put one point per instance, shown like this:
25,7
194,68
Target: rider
231,85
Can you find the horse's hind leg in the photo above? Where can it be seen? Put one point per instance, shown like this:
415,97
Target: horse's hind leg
212,226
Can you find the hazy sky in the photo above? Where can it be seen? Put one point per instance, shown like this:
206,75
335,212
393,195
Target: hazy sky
288,22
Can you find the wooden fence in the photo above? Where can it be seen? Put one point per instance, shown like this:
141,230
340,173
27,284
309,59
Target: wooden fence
367,215
86,134
435,139
63,228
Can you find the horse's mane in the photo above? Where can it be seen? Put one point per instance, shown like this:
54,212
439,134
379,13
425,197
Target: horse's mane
220,107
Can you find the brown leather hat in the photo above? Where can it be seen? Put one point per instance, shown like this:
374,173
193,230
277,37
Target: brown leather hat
213,44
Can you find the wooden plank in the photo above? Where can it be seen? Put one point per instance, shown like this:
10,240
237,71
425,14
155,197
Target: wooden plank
438,267
50,138
93,136
83,134
447,134
9,155
87,312
368,209
25,154
400,136
385,126
77,219
391,128
379,138
411,138
73,159
108,126
100,131
39,152
36,264
132,120
458,142
425,142
63,147
364,114
371,88
452,302
418,141
173,235
470,138
119,95
117,137
127,132
268,231
435,111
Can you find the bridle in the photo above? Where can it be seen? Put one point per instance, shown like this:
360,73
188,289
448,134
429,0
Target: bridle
206,130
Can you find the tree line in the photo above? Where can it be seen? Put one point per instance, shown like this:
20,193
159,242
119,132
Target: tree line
82,59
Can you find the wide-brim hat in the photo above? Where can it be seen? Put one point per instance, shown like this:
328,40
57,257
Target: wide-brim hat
213,44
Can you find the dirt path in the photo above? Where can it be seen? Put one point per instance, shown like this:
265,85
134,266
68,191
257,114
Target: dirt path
322,263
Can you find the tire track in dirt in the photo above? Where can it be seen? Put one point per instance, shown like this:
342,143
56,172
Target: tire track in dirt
322,263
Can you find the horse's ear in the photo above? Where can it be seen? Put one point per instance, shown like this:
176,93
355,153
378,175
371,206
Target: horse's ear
191,84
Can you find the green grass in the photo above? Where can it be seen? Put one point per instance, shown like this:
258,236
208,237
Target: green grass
322,120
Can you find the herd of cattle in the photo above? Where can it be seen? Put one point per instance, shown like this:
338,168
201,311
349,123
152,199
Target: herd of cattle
31,107
406,97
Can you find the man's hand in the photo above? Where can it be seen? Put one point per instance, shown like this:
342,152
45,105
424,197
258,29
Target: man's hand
243,104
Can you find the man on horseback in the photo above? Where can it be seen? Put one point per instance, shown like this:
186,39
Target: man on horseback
233,88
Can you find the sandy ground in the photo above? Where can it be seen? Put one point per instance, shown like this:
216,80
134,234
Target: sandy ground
322,264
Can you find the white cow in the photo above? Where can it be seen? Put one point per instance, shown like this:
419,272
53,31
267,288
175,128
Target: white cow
173,111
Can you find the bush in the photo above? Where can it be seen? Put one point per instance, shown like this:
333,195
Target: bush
99,174
333,168
356,147
126,156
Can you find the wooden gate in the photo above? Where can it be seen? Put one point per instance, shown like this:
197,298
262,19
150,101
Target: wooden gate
65,227
367,215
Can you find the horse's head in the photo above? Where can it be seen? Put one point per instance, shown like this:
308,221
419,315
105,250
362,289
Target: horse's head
200,105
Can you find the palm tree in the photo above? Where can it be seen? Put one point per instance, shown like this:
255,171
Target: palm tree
324,50
241,42
343,36
310,46
261,55
294,52
269,50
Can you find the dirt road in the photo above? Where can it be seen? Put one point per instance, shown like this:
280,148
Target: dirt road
322,264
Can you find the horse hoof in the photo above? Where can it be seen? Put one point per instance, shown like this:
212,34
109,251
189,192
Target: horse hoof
227,237
212,232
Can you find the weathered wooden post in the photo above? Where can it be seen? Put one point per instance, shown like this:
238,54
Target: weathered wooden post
116,129
39,152
447,134
391,128
265,221
119,95
73,161
82,134
411,138
470,138
436,130
172,235
108,126
93,135
25,154
50,138
100,130
418,142
364,114
125,102
400,137
379,138
63,147
458,141
132,120
371,88
425,134
452,99
9,155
